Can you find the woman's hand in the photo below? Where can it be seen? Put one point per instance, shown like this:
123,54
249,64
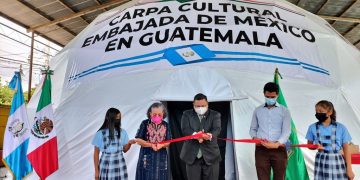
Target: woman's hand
154,147
97,175
132,141
347,156
96,162
320,147
159,146
350,174
128,145
143,143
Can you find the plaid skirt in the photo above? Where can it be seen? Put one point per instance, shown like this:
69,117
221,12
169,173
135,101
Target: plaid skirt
112,167
330,166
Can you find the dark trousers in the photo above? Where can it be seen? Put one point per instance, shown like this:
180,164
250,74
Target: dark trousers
199,170
267,159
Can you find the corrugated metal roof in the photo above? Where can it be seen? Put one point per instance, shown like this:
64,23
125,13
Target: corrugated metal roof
28,13
33,12
337,8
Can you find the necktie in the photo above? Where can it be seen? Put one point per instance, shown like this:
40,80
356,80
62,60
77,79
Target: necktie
199,155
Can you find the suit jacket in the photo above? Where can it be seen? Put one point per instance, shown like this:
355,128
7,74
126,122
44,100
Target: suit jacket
211,123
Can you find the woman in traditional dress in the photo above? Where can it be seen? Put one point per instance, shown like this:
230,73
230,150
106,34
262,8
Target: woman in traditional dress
153,159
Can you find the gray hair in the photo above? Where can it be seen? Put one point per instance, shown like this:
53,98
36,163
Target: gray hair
157,105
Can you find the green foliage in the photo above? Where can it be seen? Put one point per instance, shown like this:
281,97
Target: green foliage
6,94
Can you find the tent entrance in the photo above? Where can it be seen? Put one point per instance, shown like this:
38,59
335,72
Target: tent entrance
177,166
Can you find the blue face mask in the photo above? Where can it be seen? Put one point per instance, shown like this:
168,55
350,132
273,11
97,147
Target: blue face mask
270,101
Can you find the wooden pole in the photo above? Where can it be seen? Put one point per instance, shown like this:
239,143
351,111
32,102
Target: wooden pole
31,64
352,20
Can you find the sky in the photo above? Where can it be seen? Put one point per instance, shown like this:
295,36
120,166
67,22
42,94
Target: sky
15,51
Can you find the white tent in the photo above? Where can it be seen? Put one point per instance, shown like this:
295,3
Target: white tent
142,52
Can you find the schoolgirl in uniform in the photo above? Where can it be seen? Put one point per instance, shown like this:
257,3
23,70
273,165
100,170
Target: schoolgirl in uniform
331,137
112,141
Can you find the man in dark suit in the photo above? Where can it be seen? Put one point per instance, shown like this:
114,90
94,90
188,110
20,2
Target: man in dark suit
202,155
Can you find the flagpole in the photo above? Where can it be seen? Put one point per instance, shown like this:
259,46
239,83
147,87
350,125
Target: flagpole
296,167
31,65
21,72
46,72
278,73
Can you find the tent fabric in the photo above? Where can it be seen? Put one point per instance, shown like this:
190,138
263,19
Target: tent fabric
80,104
173,90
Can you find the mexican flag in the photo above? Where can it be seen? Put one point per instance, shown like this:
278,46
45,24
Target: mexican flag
42,152
296,168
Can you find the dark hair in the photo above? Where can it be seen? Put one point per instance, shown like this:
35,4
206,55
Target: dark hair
271,87
156,105
200,96
329,106
109,122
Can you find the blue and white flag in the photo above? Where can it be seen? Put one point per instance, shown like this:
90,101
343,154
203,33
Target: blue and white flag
16,136
188,54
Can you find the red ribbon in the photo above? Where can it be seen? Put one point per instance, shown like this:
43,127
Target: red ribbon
256,141
195,136
355,159
198,135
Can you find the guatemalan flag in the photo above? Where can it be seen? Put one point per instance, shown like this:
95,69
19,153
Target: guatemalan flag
188,54
17,132
42,151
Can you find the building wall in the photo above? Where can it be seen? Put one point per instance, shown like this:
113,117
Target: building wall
4,114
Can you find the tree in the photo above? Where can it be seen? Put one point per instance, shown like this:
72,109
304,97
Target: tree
6,94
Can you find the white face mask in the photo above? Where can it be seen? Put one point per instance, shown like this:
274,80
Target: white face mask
270,101
201,110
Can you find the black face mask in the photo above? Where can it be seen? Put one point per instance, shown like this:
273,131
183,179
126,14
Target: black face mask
321,117
117,123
